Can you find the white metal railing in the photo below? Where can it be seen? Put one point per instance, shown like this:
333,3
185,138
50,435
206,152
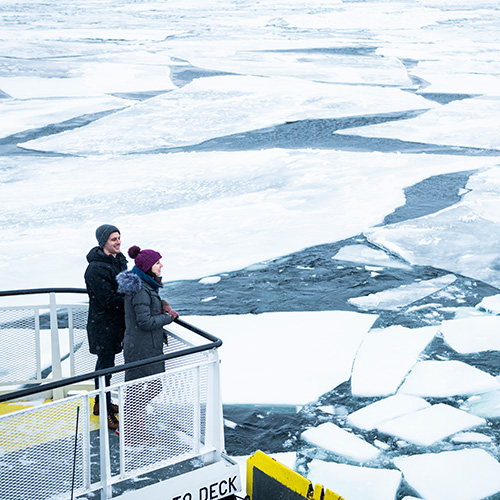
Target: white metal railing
169,423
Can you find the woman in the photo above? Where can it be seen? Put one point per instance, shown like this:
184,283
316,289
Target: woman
145,313
145,316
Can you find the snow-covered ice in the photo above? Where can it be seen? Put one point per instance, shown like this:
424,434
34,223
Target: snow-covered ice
290,358
385,357
405,294
333,439
428,425
353,482
371,416
473,334
450,476
441,379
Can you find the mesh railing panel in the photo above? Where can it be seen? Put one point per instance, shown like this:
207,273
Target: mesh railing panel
37,450
163,419
83,359
17,345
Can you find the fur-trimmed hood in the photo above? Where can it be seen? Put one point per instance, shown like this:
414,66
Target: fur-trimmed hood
128,282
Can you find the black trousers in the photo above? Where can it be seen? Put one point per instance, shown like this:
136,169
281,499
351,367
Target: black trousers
104,361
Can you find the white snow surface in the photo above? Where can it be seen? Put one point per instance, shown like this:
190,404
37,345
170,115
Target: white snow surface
449,475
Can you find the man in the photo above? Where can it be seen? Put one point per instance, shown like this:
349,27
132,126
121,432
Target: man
106,320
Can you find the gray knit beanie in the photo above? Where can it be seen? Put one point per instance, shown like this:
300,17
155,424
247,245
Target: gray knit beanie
102,233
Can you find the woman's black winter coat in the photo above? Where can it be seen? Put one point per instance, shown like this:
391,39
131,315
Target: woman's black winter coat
144,321
106,321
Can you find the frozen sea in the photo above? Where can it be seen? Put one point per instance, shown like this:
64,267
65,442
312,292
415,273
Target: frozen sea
322,179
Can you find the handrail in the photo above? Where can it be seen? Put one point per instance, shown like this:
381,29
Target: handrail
33,291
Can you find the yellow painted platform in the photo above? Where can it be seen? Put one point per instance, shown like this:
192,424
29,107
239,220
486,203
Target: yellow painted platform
24,424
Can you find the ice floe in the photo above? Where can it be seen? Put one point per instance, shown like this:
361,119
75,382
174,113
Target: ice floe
385,357
366,255
333,439
399,297
440,379
428,425
443,125
475,334
355,483
289,358
371,416
450,476
461,238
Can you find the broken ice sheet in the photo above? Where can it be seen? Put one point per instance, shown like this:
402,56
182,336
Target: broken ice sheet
332,438
474,334
385,357
426,426
366,255
371,416
450,476
442,379
219,106
467,123
354,482
396,298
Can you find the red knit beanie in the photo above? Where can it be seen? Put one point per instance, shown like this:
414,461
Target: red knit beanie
144,259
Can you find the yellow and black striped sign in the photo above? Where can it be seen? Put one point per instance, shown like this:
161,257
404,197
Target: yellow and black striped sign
267,478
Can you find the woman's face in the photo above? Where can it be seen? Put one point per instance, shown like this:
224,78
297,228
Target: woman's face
157,268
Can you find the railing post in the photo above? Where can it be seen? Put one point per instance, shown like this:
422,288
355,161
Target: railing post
106,490
55,348
214,400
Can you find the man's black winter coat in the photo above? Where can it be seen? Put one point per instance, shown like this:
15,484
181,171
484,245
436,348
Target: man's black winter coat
106,321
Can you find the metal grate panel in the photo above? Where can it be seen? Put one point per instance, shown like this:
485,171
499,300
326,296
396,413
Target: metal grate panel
38,448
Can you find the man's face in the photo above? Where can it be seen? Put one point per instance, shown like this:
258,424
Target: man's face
112,246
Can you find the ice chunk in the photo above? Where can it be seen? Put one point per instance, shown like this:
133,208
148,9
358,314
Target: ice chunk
355,483
385,357
210,280
371,416
441,379
396,298
490,304
285,373
219,106
445,125
470,437
474,334
425,427
450,476
484,405
366,255
332,438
